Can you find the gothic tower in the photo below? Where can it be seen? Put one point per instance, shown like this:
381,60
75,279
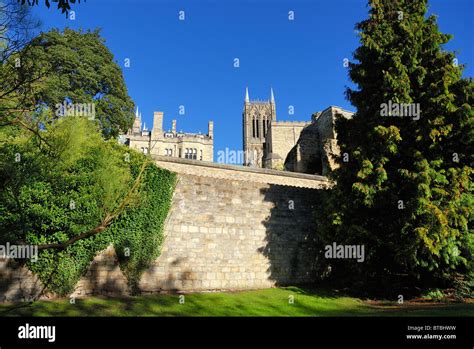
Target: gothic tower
256,119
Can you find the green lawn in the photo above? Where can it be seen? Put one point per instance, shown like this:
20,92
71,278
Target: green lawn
269,302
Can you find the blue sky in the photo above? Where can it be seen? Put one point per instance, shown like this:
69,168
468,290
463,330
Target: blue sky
191,62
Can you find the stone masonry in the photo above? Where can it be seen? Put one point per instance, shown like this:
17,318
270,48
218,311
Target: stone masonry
229,228
227,233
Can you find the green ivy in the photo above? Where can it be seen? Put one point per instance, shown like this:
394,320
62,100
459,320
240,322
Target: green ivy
137,235
62,190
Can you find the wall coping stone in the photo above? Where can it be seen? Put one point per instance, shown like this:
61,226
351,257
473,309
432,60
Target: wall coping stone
238,172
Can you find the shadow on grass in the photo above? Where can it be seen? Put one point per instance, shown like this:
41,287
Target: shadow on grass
289,301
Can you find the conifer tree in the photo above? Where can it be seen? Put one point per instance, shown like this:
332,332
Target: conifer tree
406,191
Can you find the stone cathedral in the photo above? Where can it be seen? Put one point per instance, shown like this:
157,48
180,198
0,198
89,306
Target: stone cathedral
298,146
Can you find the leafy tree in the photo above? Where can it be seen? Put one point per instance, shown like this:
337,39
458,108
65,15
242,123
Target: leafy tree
77,162
406,193
65,68
17,26
75,196
17,75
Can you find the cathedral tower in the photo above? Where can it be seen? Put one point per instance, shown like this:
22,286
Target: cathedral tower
256,119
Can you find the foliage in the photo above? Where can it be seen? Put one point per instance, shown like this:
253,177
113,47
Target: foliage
406,193
138,233
62,68
64,184
435,295
63,5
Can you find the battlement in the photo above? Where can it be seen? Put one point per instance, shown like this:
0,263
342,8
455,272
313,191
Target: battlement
186,135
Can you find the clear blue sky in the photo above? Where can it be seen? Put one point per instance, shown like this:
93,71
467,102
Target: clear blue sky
190,62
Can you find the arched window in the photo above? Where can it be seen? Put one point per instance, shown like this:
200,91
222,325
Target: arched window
254,128
258,128
264,126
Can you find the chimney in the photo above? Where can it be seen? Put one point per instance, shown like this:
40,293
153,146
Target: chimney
173,126
157,122
210,129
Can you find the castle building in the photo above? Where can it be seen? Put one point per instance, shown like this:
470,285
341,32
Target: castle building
157,141
298,146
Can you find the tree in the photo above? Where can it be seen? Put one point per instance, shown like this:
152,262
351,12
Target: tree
63,5
16,74
406,193
17,27
63,199
65,69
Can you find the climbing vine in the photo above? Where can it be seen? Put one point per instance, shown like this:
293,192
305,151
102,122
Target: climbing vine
75,194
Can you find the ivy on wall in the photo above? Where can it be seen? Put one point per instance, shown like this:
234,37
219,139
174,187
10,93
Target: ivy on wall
137,234
71,181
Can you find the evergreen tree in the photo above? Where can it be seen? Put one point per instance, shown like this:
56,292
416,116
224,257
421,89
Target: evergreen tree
406,191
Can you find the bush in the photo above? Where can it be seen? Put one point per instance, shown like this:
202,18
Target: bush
66,184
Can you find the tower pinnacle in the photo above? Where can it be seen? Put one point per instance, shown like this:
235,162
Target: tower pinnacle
272,98
247,100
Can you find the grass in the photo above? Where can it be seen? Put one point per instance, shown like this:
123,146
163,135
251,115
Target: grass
269,302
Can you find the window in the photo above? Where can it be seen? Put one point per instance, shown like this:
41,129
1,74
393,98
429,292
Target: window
168,152
190,153
200,157
180,153
145,150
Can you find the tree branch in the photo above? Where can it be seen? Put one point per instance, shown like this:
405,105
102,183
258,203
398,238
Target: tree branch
109,218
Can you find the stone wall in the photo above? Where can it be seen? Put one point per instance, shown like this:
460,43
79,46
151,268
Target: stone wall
281,138
17,282
229,228
225,233
103,277
316,149
328,137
